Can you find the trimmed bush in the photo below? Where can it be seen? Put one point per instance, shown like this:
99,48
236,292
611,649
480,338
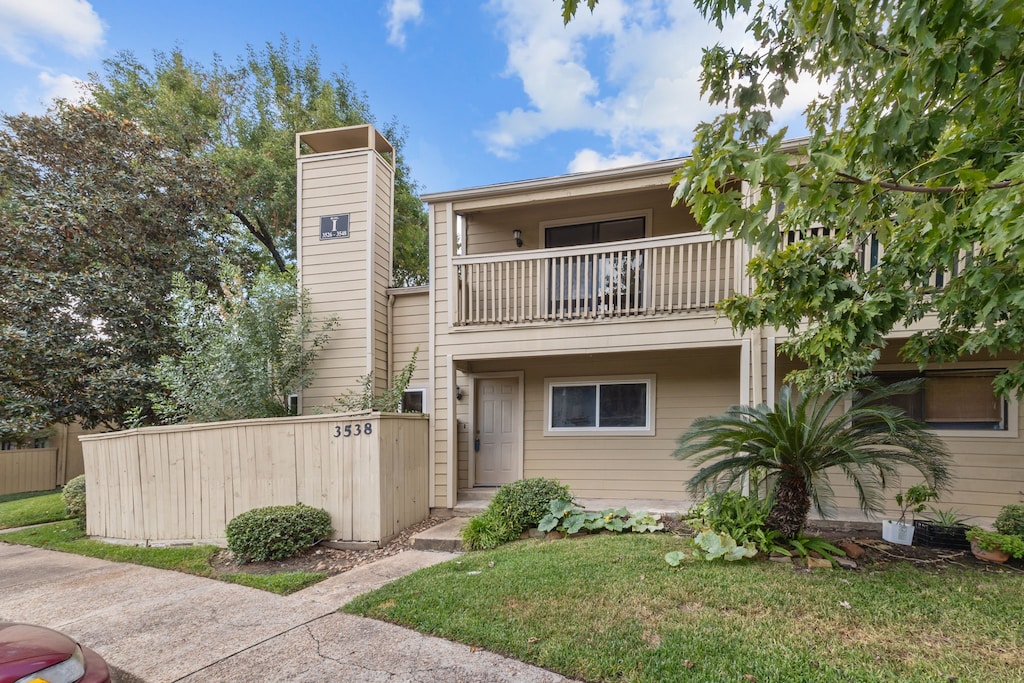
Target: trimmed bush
522,504
1010,520
73,496
276,532
487,530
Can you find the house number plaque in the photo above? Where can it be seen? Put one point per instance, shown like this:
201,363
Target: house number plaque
356,429
334,227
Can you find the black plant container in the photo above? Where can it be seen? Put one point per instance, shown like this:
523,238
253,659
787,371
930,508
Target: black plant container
938,536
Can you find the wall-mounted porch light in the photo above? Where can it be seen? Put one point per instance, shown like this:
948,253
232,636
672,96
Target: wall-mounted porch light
458,393
518,236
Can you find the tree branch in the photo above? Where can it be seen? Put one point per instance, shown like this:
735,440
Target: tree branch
922,189
263,235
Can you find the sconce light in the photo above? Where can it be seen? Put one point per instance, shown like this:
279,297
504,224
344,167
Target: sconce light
458,393
518,235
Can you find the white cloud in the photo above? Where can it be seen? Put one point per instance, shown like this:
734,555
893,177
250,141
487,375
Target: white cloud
70,26
590,160
400,13
628,73
62,86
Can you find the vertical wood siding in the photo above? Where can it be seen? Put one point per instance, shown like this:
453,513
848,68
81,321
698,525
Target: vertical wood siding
28,469
187,482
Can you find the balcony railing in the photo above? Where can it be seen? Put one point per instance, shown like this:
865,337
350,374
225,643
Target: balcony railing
636,278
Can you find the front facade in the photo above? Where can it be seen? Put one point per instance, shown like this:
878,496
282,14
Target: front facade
569,331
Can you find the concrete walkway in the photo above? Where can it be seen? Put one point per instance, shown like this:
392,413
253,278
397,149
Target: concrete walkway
155,625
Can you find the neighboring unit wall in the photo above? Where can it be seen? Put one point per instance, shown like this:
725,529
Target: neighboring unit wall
410,330
28,469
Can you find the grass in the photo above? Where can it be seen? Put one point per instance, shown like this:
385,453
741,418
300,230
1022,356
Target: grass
282,584
69,538
37,507
608,608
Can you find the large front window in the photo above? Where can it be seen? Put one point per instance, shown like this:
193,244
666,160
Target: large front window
952,399
620,405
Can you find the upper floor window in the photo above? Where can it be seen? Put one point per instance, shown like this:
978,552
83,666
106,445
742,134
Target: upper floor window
595,232
952,399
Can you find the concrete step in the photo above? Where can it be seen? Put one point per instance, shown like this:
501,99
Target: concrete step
443,537
478,494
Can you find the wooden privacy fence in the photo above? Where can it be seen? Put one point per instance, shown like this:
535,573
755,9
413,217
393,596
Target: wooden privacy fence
29,469
186,482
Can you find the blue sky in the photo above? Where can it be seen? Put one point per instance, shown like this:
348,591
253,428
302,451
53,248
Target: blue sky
489,92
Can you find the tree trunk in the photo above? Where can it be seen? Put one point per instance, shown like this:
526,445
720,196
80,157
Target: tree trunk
792,503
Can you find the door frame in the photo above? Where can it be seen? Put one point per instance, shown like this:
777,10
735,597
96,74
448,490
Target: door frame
520,376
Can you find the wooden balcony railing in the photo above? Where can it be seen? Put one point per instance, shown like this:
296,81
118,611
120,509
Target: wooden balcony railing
636,278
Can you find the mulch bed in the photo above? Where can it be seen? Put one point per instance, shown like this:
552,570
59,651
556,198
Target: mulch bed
331,561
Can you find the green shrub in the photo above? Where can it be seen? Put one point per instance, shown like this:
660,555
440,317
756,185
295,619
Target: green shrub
742,518
487,530
73,496
1010,520
522,504
276,532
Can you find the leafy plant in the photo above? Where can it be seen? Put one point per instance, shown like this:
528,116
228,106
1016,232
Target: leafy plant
487,530
276,532
388,401
741,517
913,501
805,545
712,545
644,522
946,518
799,441
1010,520
243,352
565,517
1010,544
525,502
74,499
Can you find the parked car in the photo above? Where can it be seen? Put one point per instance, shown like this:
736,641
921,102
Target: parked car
34,653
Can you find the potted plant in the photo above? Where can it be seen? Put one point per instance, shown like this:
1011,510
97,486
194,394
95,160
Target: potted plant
942,529
913,501
1005,542
993,546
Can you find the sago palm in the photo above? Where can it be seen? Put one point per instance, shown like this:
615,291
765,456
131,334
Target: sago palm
800,440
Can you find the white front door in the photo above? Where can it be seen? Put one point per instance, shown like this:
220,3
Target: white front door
498,430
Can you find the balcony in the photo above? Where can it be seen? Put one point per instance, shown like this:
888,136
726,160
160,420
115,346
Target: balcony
654,277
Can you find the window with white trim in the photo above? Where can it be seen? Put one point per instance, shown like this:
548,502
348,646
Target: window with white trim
607,406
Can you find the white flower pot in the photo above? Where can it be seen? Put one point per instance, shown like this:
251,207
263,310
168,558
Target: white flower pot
898,532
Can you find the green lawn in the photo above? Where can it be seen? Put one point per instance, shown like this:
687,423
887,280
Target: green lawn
68,537
37,507
608,608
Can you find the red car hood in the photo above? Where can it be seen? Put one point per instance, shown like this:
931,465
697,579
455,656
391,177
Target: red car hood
25,649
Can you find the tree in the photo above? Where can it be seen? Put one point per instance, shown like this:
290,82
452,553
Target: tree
97,214
244,120
242,352
799,441
916,145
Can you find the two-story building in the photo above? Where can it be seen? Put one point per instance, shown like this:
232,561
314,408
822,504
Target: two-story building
569,330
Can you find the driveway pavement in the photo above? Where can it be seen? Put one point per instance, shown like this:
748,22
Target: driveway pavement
155,625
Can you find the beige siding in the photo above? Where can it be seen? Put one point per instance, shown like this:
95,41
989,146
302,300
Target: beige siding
490,231
410,330
347,278
186,482
688,384
334,271
988,469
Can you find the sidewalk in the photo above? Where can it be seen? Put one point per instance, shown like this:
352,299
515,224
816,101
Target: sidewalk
161,626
